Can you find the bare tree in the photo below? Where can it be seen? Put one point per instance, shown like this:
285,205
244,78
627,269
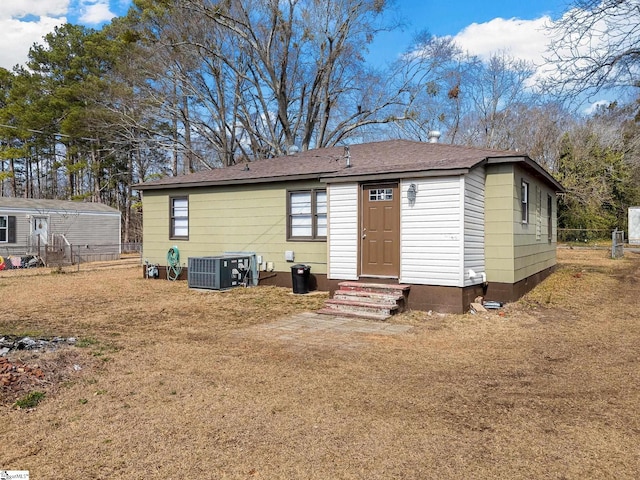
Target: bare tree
430,76
496,89
255,77
595,45
537,130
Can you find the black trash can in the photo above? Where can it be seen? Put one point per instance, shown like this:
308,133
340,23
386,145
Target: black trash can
300,278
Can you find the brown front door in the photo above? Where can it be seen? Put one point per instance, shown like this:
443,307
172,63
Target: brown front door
380,244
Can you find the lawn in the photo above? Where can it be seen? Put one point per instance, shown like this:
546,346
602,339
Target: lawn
167,382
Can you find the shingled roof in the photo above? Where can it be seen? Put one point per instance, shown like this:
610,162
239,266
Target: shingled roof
366,160
44,205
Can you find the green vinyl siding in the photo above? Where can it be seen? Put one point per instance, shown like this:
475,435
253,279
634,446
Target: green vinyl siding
247,218
515,250
499,223
532,250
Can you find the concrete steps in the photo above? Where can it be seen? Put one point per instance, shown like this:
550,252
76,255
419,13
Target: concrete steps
375,301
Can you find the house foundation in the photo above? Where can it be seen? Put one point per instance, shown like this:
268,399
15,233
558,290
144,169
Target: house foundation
421,297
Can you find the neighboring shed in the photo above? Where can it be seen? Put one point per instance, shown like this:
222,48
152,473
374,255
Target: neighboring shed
634,225
453,222
91,231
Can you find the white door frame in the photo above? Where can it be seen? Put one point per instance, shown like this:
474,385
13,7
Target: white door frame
40,227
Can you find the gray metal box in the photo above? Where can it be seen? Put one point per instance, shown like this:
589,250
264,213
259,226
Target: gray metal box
219,273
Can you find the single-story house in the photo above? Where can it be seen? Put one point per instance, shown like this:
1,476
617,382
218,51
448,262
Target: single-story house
453,222
31,226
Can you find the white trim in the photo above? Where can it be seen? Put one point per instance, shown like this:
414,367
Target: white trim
524,200
461,243
44,211
5,228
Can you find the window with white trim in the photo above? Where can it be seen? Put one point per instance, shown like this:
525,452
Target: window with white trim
4,229
524,199
7,229
307,215
549,218
179,218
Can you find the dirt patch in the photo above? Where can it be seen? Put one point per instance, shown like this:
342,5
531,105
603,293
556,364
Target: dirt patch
174,389
313,330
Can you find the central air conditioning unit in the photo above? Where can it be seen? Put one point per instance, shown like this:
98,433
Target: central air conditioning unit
219,273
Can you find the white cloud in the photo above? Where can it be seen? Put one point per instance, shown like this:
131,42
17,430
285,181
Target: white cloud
530,40
96,12
593,107
37,8
17,37
25,22
526,40
522,39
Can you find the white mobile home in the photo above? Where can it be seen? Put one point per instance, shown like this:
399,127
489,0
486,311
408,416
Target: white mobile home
29,226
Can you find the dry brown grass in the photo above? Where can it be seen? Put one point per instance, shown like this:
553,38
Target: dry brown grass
171,389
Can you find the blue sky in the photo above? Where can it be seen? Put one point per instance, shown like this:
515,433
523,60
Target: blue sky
479,27
450,17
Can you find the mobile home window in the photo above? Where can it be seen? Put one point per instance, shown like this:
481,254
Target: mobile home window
4,228
7,229
179,215
524,198
307,215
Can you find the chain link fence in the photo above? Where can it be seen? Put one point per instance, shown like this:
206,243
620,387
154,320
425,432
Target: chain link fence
583,235
59,254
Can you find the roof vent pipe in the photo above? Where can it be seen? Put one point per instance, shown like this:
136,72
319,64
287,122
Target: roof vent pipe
347,156
434,136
